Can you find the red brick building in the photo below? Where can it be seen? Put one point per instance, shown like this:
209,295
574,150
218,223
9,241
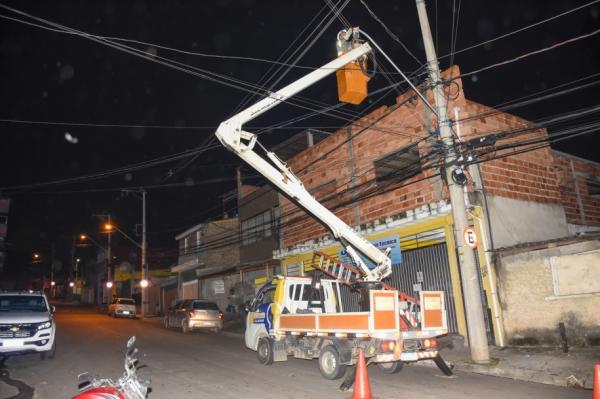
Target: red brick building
381,175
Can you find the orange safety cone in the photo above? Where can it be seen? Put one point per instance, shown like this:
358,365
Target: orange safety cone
597,382
362,388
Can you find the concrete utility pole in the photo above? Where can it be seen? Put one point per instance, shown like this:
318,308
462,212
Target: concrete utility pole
144,266
108,260
470,281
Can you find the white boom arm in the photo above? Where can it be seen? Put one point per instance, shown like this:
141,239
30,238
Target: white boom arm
232,136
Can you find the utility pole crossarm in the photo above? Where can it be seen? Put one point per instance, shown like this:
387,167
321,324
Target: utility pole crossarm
240,142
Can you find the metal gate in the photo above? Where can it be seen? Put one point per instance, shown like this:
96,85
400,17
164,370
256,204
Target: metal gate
431,265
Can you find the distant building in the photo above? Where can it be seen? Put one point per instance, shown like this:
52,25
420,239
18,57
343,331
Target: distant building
205,250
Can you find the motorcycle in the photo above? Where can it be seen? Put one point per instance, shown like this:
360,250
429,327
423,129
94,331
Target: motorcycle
126,387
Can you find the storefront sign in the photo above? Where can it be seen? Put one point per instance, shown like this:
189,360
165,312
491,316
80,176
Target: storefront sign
382,243
219,286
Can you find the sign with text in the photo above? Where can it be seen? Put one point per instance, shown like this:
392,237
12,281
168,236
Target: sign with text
382,243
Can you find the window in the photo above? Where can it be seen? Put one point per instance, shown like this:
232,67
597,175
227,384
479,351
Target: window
593,186
256,228
22,303
199,305
398,166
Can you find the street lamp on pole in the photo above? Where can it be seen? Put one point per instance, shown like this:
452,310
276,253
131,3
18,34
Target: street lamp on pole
144,281
108,258
85,237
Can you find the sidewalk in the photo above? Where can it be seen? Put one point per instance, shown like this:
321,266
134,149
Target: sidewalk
534,364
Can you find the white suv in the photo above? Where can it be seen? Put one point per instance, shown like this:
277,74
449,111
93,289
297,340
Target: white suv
26,324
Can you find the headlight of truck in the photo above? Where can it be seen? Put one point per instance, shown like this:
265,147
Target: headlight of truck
44,325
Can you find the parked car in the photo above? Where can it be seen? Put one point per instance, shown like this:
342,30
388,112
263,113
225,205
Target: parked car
194,314
26,324
122,307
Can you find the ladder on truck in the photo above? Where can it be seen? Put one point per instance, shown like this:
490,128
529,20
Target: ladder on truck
348,275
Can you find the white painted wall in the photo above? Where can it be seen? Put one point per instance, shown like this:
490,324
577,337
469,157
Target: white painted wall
516,222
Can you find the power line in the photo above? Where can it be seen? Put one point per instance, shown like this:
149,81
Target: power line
519,30
522,56
390,33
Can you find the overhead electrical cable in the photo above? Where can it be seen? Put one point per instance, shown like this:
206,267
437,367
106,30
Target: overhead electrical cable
390,33
529,54
519,30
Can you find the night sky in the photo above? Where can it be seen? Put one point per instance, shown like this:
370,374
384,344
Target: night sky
54,77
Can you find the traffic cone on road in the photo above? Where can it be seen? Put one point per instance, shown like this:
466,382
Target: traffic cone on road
597,382
362,388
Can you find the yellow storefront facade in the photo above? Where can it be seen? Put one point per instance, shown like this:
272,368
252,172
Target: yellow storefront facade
419,234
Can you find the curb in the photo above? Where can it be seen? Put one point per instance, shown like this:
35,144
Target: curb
515,373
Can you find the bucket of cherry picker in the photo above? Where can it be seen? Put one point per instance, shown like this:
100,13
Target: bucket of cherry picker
352,83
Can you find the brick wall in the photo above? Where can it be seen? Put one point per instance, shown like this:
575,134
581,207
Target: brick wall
339,170
573,174
221,240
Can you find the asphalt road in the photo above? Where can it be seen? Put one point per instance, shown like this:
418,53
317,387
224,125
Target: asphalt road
202,365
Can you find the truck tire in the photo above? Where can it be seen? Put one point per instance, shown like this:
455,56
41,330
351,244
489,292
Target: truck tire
391,367
264,351
329,363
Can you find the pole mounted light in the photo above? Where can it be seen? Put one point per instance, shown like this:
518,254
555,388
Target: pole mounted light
144,283
109,284
71,284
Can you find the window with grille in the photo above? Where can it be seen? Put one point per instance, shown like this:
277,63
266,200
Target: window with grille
398,165
593,186
256,228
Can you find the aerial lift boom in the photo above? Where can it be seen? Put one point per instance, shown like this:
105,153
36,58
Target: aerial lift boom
242,143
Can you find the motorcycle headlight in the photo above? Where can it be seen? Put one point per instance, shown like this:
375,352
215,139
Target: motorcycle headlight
44,325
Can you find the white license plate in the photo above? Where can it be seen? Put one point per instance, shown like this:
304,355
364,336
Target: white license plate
208,323
126,312
13,343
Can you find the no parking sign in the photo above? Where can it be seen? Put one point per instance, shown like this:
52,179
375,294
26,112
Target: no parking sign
470,237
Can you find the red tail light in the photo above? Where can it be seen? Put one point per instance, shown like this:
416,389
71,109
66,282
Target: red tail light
220,314
428,343
388,346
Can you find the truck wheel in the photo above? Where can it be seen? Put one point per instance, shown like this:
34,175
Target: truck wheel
391,367
264,351
329,363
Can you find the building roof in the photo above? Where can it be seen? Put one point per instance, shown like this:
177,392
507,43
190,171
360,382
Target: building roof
189,231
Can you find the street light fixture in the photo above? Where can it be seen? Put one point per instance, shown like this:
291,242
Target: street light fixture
110,228
71,284
109,284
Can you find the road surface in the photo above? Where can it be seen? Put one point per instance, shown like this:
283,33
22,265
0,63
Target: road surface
202,365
